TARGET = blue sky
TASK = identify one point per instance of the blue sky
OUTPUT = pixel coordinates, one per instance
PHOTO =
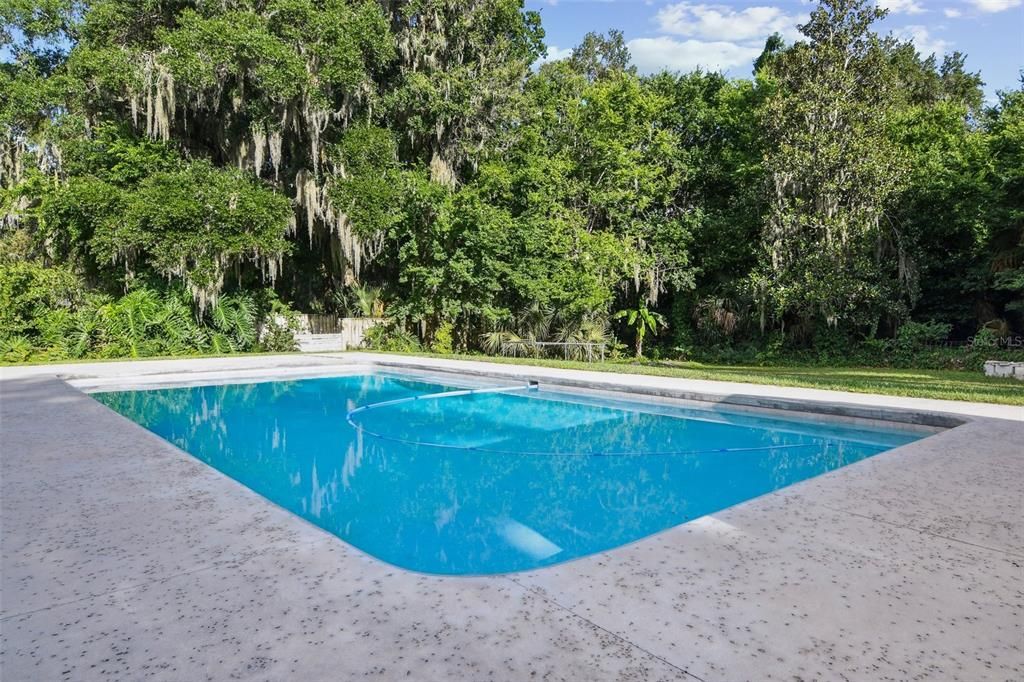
(728, 35)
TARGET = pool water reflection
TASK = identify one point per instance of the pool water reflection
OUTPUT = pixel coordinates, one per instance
(544, 477)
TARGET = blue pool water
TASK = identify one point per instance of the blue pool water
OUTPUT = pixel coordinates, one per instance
(487, 482)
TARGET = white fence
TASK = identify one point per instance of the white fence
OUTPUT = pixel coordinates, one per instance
(319, 333)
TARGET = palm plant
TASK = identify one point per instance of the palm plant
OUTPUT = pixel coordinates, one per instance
(126, 321)
(84, 328)
(234, 324)
(368, 299)
(584, 332)
(503, 342)
(535, 320)
(717, 317)
(492, 341)
(642, 319)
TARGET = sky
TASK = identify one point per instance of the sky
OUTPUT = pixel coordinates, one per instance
(727, 35)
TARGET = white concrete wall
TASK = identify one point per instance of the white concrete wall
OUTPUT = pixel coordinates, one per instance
(999, 368)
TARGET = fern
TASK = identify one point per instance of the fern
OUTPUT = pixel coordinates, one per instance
(16, 349)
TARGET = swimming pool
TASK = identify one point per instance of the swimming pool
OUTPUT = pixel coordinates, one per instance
(488, 482)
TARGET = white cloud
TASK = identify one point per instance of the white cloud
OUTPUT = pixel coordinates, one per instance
(902, 6)
(723, 23)
(925, 43)
(952, 12)
(654, 54)
(995, 5)
(555, 53)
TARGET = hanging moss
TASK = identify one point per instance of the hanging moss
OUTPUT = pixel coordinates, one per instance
(194, 225)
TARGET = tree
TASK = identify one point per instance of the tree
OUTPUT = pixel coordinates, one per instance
(833, 173)
(1005, 247)
(206, 150)
(772, 47)
(940, 217)
(459, 70)
(642, 320)
(599, 55)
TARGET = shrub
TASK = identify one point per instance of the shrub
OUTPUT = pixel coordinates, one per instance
(278, 326)
(443, 341)
(914, 336)
(44, 317)
(772, 350)
(28, 292)
(918, 346)
(390, 336)
(15, 349)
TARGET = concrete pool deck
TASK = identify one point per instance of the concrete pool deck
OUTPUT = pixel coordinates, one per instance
(125, 558)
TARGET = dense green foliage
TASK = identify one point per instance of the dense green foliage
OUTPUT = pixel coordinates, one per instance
(170, 171)
(47, 314)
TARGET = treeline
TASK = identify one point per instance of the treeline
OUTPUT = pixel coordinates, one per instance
(852, 200)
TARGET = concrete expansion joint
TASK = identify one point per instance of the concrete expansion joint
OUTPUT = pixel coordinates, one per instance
(625, 640)
(236, 560)
(922, 531)
(106, 593)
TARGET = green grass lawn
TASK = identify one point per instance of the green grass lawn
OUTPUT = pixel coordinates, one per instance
(918, 383)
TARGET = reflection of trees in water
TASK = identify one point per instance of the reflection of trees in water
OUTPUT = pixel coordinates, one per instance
(519, 424)
(785, 466)
(441, 507)
(199, 407)
(353, 458)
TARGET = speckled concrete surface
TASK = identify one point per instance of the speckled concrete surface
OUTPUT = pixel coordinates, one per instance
(124, 558)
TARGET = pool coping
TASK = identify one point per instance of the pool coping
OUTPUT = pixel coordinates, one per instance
(891, 511)
(906, 420)
(745, 400)
(871, 407)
